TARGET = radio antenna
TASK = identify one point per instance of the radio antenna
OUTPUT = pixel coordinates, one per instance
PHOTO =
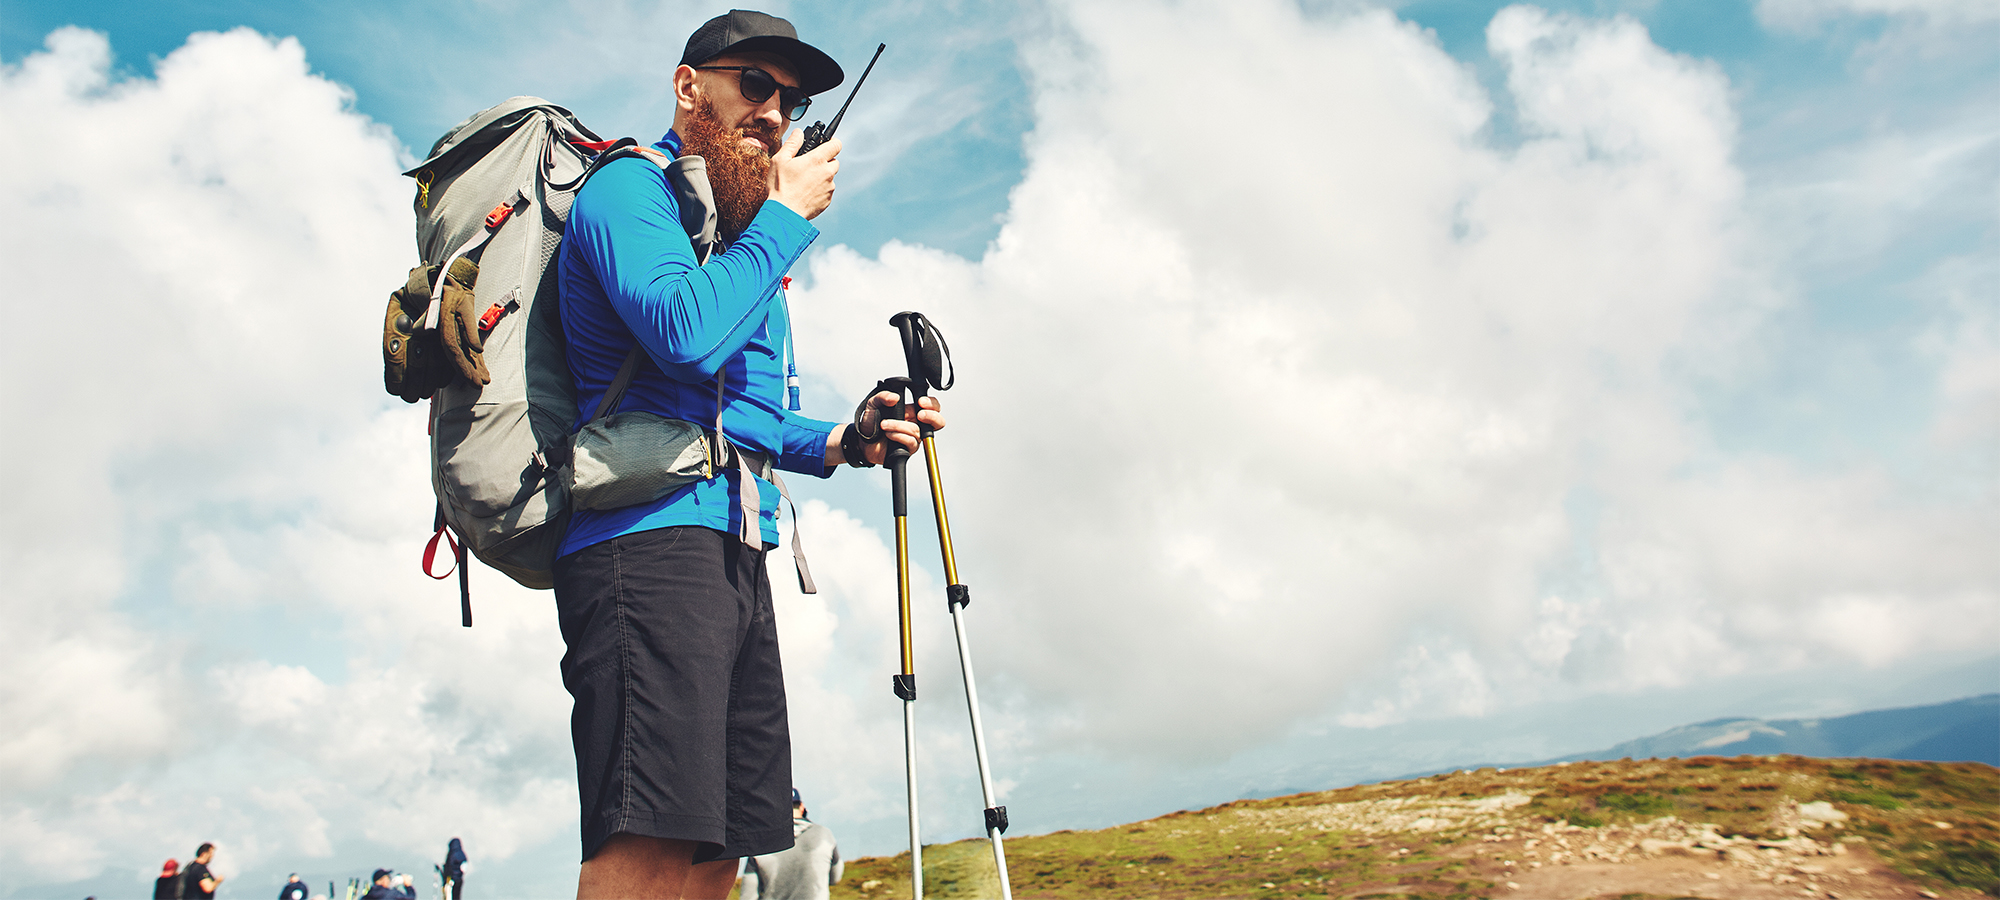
(819, 133)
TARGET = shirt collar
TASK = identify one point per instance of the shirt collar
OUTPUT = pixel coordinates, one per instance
(670, 144)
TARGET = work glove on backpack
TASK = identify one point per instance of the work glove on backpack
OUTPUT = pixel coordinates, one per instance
(416, 362)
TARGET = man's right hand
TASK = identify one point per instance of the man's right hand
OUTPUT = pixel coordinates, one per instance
(804, 184)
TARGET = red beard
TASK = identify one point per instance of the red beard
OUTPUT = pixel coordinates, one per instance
(739, 175)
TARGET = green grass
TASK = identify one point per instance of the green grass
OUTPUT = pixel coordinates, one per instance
(1648, 805)
(1876, 799)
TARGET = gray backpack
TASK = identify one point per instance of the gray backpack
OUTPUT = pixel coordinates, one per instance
(496, 189)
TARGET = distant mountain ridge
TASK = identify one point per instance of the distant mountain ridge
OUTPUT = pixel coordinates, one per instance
(1965, 730)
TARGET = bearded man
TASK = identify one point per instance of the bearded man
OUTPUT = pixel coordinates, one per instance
(683, 750)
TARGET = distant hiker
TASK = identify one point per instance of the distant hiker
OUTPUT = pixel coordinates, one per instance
(197, 882)
(167, 886)
(453, 869)
(682, 748)
(383, 889)
(805, 872)
(294, 889)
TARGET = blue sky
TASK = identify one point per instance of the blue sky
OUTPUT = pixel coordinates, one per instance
(953, 194)
(1348, 389)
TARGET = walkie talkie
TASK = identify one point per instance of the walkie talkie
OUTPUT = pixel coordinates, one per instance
(821, 131)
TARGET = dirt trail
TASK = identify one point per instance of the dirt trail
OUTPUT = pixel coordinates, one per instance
(1582, 863)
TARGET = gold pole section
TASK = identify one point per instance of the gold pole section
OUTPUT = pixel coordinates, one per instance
(937, 507)
(903, 590)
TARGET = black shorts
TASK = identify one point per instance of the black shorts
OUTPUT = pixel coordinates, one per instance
(679, 725)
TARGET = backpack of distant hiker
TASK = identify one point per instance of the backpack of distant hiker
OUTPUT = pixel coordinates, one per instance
(476, 328)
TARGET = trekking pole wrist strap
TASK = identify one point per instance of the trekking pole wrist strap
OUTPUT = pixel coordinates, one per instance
(854, 449)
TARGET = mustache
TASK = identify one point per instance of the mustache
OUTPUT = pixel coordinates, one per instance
(769, 135)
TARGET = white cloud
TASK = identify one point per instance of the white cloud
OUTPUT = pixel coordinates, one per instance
(1854, 202)
(1258, 407)
(1969, 350)
(1805, 13)
(191, 326)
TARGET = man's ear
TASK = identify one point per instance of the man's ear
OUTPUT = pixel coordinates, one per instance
(687, 95)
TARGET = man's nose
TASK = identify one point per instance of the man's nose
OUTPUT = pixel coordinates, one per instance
(768, 112)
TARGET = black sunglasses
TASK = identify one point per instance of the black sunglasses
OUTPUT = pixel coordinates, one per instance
(758, 84)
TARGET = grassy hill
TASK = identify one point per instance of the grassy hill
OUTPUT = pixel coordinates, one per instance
(1744, 826)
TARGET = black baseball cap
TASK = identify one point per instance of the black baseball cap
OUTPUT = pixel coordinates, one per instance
(378, 874)
(741, 30)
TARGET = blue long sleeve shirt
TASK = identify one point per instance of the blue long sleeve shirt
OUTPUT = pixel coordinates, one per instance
(627, 273)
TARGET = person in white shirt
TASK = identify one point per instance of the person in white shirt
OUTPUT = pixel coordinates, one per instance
(805, 872)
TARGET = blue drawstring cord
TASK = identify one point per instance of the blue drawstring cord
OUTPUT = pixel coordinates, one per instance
(791, 354)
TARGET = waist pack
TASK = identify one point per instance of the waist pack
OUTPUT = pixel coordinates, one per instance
(636, 457)
(476, 330)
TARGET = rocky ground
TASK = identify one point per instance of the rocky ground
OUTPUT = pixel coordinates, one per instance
(1669, 857)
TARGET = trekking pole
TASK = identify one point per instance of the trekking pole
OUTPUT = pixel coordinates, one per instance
(927, 357)
(905, 683)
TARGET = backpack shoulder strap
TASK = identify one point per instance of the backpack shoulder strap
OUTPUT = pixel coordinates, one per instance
(687, 177)
(616, 391)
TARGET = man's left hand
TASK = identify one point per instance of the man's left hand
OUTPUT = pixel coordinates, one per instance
(906, 432)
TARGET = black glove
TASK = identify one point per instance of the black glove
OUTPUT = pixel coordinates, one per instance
(410, 355)
(868, 418)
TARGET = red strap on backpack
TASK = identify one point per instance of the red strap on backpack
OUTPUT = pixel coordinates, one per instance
(431, 549)
(458, 563)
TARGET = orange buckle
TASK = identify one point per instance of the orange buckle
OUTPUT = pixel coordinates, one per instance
(491, 317)
(499, 215)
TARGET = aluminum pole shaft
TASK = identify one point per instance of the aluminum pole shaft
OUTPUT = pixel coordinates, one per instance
(957, 593)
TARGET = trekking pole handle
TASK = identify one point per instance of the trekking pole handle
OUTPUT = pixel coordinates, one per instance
(909, 327)
(925, 356)
(897, 463)
(896, 456)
